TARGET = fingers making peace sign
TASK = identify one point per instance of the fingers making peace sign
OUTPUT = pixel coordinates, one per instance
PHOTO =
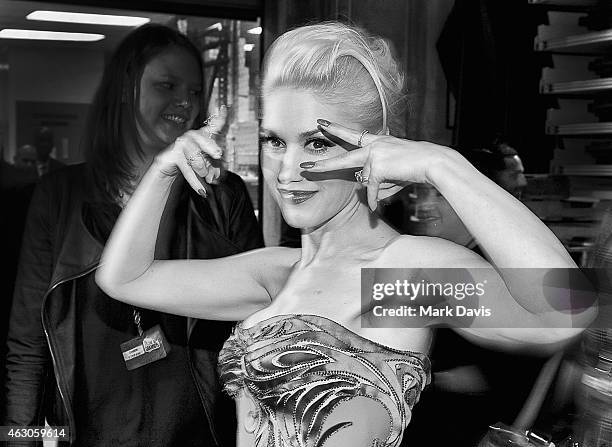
(386, 163)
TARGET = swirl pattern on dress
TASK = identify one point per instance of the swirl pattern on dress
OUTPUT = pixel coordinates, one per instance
(302, 370)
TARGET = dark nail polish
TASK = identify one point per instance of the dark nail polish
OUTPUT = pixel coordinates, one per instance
(202, 192)
(307, 164)
(323, 123)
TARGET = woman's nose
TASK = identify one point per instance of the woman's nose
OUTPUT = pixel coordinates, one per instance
(183, 99)
(184, 103)
(290, 170)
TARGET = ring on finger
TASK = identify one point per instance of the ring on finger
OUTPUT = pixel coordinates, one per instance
(191, 159)
(360, 177)
(363, 133)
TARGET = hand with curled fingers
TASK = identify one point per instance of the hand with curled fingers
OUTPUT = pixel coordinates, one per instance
(196, 155)
(385, 163)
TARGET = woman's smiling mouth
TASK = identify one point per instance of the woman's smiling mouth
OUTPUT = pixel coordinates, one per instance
(296, 196)
(175, 119)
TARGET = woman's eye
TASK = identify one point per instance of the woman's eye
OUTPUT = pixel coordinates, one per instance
(271, 143)
(166, 85)
(195, 92)
(318, 146)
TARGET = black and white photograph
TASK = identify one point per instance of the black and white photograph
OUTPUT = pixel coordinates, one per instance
(306, 223)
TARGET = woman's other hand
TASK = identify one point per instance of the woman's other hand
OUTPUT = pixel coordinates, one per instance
(387, 163)
(195, 154)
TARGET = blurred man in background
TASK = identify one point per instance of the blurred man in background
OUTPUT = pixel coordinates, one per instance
(26, 157)
(44, 142)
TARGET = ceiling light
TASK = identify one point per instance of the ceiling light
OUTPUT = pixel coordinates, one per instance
(92, 19)
(249, 46)
(256, 30)
(48, 35)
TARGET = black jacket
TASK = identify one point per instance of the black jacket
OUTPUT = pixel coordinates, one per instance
(58, 250)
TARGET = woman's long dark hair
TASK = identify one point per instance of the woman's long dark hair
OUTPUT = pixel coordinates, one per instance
(111, 169)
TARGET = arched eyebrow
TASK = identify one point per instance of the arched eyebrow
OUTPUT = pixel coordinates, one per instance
(310, 133)
(267, 133)
(302, 135)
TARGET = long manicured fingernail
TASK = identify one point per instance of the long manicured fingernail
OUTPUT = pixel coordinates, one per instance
(323, 123)
(202, 192)
(307, 164)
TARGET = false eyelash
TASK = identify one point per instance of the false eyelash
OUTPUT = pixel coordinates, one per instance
(265, 140)
(326, 144)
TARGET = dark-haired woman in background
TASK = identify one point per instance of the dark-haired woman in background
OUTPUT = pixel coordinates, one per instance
(66, 362)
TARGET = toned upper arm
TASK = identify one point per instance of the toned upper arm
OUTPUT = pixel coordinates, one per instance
(230, 288)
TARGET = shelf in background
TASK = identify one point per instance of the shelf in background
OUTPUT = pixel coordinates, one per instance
(592, 129)
(587, 170)
(595, 43)
(564, 5)
(576, 87)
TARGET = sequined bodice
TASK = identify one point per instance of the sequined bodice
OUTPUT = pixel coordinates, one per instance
(315, 383)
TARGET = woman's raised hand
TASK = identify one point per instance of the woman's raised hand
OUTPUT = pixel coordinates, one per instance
(388, 163)
(196, 154)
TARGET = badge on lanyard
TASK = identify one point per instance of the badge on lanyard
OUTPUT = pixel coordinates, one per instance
(149, 346)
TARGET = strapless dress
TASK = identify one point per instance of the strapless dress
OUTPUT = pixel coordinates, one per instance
(316, 383)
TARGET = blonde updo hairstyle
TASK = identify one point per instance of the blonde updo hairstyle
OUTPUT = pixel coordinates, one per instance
(343, 65)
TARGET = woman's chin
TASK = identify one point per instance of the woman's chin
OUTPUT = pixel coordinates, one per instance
(296, 222)
(170, 137)
(299, 220)
(169, 133)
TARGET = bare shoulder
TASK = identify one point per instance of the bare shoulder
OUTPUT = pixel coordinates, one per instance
(422, 251)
